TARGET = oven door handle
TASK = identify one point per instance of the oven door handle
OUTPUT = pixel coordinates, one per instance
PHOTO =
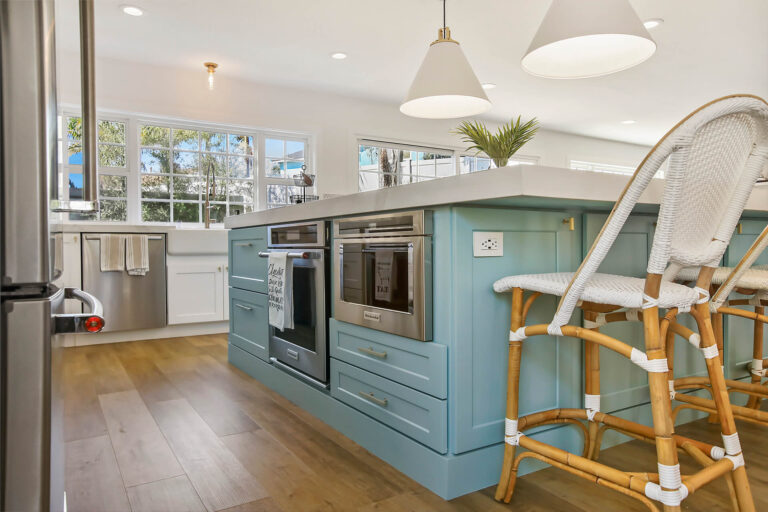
(297, 255)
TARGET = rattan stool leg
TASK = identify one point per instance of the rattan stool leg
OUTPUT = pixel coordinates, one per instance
(718, 329)
(757, 353)
(723, 405)
(508, 475)
(661, 406)
(592, 388)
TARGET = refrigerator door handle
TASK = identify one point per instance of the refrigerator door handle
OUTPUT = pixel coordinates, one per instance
(90, 201)
(80, 322)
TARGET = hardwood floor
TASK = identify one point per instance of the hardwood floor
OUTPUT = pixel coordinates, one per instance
(169, 426)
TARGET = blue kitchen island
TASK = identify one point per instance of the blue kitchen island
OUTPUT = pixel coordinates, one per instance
(440, 411)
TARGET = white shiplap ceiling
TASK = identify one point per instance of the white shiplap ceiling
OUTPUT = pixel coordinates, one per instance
(706, 49)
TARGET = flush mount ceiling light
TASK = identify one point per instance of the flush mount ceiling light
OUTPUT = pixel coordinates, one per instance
(580, 39)
(132, 10)
(488, 85)
(339, 55)
(211, 66)
(445, 86)
(652, 23)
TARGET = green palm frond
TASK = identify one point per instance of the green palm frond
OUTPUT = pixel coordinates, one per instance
(502, 145)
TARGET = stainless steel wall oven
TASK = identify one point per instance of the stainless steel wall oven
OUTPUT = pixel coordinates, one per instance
(383, 268)
(303, 350)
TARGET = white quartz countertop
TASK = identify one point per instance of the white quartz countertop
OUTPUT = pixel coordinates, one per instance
(113, 227)
(520, 185)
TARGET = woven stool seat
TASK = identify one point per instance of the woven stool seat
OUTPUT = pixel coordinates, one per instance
(755, 278)
(602, 289)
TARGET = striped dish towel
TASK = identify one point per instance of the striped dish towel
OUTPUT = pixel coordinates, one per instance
(137, 255)
(112, 257)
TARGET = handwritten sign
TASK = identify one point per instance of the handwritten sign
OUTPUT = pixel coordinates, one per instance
(383, 276)
(276, 285)
(280, 291)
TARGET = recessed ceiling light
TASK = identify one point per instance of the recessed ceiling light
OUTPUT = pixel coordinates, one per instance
(629, 121)
(489, 85)
(339, 55)
(132, 10)
(652, 23)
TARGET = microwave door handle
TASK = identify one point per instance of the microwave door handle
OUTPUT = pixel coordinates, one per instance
(389, 228)
(90, 201)
(295, 255)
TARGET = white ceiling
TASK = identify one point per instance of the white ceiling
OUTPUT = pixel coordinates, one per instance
(706, 49)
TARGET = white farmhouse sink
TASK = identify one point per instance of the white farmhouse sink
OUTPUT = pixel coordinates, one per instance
(197, 241)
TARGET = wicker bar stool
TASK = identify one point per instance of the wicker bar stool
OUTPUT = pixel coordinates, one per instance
(752, 283)
(716, 155)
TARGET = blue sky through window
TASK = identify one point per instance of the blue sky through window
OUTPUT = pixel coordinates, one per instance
(75, 159)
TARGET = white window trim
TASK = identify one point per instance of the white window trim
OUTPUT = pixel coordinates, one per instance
(64, 113)
(262, 167)
(622, 169)
(133, 148)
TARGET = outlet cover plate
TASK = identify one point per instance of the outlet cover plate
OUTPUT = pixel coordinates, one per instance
(487, 243)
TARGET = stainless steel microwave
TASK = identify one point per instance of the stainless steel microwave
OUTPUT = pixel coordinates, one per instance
(383, 264)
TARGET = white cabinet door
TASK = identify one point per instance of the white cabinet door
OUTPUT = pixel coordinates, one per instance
(195, 292)
(225, 286)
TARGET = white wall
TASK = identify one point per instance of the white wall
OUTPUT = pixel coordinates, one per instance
(334, 121)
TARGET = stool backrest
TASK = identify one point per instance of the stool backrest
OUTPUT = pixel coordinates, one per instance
(716, 155)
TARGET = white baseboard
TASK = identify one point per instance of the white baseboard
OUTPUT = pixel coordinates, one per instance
(171, 331)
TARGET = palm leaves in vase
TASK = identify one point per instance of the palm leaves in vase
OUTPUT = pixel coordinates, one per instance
(500, 146)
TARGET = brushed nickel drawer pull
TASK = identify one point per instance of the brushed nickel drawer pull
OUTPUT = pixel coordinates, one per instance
(369, 396)
(243, 307)
(371, 352)
(244, 244)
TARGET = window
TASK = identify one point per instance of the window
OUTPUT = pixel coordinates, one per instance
(579, 165)
(474, 163)
(157, 170)
(283, 161)
(178, 166)
(112, 169)
(382, 165)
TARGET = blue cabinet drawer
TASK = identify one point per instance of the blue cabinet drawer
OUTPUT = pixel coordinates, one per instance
(249, 322)
(246, 269)
(420, 365)
(417, 415)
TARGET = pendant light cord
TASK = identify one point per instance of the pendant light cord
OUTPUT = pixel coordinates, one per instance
(444, 14)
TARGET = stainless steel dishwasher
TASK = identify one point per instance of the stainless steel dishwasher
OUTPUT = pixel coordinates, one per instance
(130, 302)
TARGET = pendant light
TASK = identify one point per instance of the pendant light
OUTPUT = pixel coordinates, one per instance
(588, 38)
(445, 86)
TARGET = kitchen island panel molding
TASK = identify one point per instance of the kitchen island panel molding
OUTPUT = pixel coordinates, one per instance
(534, 242)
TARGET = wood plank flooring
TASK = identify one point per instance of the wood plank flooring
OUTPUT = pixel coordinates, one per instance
(168, 426)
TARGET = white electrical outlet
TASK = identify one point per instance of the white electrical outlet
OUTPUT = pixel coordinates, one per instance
(488, 243)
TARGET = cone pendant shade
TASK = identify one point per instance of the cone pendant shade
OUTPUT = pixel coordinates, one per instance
(445, 86)
(588, 38)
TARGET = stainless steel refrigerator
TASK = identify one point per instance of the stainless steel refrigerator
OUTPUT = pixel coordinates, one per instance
(31, 434)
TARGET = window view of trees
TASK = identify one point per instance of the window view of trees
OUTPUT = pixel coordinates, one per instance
(113, 192)
(382, 166)
(165, 172)
(179, 167)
